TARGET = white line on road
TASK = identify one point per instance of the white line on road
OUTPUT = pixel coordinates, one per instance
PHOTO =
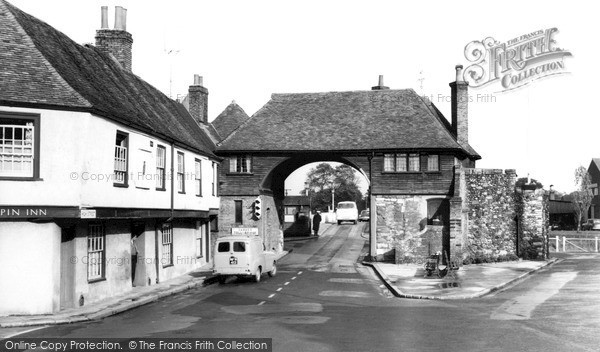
(262, 302)
(521, 307)
(294, 278)
(299, 273)
(271, 295)
(279, 289)
(287, 283)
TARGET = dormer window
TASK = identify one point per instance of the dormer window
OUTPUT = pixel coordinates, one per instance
(121, 159)
(240, 164)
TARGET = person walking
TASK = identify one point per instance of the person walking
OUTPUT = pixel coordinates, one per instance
(316, 223)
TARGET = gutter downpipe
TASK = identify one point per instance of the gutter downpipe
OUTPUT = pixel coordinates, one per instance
(372, 214)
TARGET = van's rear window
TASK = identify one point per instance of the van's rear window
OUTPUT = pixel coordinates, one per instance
(239, 246)
(223, 247)
(345, 205)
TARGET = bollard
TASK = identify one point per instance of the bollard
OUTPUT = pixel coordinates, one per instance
(596, 244)
(557, 245)
(564, 243)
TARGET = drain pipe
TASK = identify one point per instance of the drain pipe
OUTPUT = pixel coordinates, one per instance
(372, 214)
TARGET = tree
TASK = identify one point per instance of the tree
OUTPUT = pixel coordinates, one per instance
(582, 197)
(343, 179)
(523, 181)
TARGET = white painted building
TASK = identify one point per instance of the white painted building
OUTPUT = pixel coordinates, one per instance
(87, 150)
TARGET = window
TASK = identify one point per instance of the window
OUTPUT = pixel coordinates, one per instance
(433, 163)
(19, 146)
(215, 178)
(161, 161)
(95, 252)
(167, 245)
(121, 159)
(238, 211)
(223, 247)
(198, 177)
(239, 246)
(201, 232)
(396, 162)
(438, 211)
(414, 162)
(180, 173)
(240, 164)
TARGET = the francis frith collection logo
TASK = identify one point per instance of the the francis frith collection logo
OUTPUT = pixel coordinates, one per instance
(516, 62)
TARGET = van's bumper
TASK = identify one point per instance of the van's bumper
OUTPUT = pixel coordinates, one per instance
(232, 271)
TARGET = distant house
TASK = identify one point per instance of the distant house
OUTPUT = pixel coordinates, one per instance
(96, 165)
(594, 171)
(562, 214)
(296, 215)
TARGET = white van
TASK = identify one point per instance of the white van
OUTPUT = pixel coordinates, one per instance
(346, 211)
(242, 256)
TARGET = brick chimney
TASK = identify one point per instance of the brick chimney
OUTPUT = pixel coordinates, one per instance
(116, 42)
(459, 104)
(380, 86)
(198, 100)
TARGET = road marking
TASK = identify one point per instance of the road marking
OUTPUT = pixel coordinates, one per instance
(262, 302)
(271, 295)
(346, 280)
(274, 308)
(299, 273)
(287, 283)
(279, 289)
(294, 278)
(22, 332)
(299, 319)
(521, 307)
(355, 294)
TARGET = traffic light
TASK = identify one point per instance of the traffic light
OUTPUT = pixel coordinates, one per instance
(257, 208)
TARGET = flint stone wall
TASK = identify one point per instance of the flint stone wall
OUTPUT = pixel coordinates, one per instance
(490, 210)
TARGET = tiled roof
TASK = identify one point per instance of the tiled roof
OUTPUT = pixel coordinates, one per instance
(296, 200)
(230, 119)
(346, 121)
(42, 67)
(597, 162)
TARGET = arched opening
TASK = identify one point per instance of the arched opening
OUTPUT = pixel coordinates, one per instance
(294, 207)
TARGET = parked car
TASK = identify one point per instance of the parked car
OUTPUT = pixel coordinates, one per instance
(346, 211)
(243, 256)
(591, 224)
(365, 215)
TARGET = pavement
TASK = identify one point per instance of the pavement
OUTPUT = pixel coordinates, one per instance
(138, 296)
(469, 281)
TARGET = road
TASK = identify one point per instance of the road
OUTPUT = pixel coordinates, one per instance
(322, 300)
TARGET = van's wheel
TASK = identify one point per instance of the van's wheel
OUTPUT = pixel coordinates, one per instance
(273, 271)
(257, 275)
(222, 279)
(339, 222)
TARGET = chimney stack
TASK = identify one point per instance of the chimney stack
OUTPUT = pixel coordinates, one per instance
(104, 19)
(380, 86)
(459, 105)
(198, 100)
(116, 42)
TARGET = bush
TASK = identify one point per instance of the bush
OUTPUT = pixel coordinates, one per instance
(483, 258)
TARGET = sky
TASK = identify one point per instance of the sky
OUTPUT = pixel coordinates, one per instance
(247, 50)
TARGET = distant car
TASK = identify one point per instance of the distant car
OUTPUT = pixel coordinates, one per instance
(591, 224)
(346, 211)
(364, 216)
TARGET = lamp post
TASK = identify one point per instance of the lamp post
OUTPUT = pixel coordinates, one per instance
(332, 198)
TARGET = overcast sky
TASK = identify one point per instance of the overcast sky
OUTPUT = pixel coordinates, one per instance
(246, 50)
